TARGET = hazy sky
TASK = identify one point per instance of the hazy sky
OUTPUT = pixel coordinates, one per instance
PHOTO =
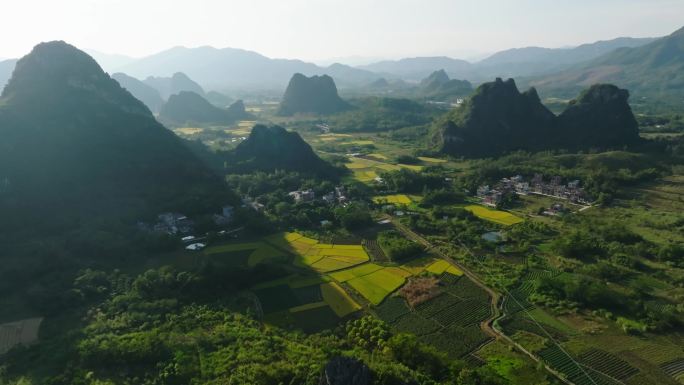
(321, 29)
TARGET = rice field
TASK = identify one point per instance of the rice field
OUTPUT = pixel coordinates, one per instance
(338, 299)
(417, 266)
(378, 284)
(393, 199)
(497, 216)
(320, 257)
(441, 266)
(359, 271)
(431, 160)
(365, 170)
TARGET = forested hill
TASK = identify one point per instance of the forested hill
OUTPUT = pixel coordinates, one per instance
(270, 148)
(499, 119)
(77, 145)
(189, 107)
(311, 95)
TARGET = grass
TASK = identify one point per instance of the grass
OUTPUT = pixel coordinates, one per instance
(545, 318)
(497, 216)
(338, 300)
(393, 199)
(377, 285)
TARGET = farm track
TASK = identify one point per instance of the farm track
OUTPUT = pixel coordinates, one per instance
(486, 325)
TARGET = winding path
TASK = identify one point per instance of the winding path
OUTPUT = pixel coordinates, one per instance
(487, 325)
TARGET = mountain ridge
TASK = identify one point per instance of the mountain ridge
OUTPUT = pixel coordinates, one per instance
(91, 148)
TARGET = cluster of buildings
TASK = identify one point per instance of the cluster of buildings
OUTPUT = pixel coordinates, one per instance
(339, 196)
(176, 224)
(554, 187)
(169, 223)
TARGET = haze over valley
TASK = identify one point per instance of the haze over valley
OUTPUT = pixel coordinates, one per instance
(473, 194)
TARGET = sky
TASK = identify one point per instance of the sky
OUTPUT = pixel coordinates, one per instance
(323, 30)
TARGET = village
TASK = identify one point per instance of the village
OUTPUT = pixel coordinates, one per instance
(537, 185)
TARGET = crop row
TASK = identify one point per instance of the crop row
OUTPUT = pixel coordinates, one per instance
(516, 301)
(374, 250)
(433, 306)
(466, 288)
(391, 309)
(674, 368)
(450, 279)
(464, 313)
(609, 364)
(537, 274)
(579, 375)
(415, 324)
(457, 341)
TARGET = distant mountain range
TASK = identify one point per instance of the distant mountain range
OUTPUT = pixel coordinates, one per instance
(231, 68)
(178, 82)
(512, 62)
(536, 60)
(564, 71)
(652, 70)
(143, 92)
(419, 68)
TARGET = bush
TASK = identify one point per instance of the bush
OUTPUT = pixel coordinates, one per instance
(396, 247)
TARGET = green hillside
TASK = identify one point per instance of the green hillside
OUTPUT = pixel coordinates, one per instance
(76, 144)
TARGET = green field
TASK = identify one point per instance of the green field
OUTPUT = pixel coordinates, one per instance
(338, 300)
(393, 199)
(497, 216)
(365, 170)
(377, 285)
